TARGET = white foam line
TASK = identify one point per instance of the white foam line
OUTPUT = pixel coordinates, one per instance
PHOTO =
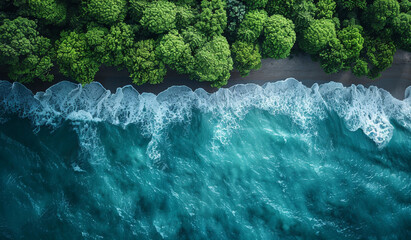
(370, 109)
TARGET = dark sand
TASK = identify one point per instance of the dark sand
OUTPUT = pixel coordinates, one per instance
(395, 79)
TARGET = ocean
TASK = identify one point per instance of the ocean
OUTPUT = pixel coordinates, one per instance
(278, 161)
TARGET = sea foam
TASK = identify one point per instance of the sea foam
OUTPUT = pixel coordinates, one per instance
(278, 161)
(369, 109)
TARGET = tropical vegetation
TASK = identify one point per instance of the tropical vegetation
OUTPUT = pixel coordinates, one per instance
(204, 39)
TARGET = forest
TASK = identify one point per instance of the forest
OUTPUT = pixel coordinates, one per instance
(205, 39)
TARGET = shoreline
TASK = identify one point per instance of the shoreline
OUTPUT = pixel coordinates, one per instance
(394, 79)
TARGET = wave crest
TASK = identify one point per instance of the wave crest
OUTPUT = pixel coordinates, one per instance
(370, 109)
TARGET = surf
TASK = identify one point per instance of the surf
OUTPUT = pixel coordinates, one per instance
(280, 160)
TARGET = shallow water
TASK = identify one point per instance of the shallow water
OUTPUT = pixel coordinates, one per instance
(249, 162)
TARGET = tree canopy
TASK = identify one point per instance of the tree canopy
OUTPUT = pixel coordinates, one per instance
(402, 29)
(252, 26)
(75, 59)
(318, 34)
(213, 17)
(325, 9)
(50, 11)
(246, 57)
(281, 7)
(352, 4)
(144, 65)
(255, 4)
(360, 68)
(380, 54)
(303, 14)
(332, 58)
(204, 39)
(279, 37)
(175, 52)
(194, 37)
(213, 62)
(105, 11)
(159, 16)
(24, 51)
(382, 12)
(235, 14)
(352, 41)
(118, 42)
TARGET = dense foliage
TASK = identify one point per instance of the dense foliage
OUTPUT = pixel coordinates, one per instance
(204, 39)
(159, 16)
(175, 52)
(75, 57)
(143, 63)
(213, 62)
(279, 37)
(246, 57)
(105, 11)
(252, 26)
(317, 35)
(24, 50)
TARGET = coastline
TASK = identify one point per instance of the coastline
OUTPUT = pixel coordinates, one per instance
(394, 79)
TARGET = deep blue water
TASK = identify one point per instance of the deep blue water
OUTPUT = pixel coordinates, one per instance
(281, 161)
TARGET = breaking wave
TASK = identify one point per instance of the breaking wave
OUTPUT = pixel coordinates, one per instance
(278, 161)
(369, 109)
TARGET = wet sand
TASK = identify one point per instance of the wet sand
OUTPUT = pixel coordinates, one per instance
(395, 79)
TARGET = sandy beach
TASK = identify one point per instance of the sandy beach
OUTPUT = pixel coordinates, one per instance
(395, 79)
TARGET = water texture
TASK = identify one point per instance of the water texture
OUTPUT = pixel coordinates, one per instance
(281, 161)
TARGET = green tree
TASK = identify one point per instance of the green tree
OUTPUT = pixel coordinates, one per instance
(188, 3)
(190, 36)
(402, 28)
(50, 11)
(143, 64)
(281, 7)
(213, 17)
(352, 40)
(381, 13)
(317, 36)
(246, 57)
(255, 4)
(75, 58)
(352, 4)
(159, 16)
(380, 54)
(185, 17)
(325, 9)
(136, 9)
(333, 57)
(303, 14)
(195, 38)
(351, 19)
(235, 14)
(336, 22)
(118, 42)
(24, 50)
(105, 11)
(96, 37)
(213, 62)
(405, 6)
(279, 37)
(360, 68)
(252, 26)
(343, 51)
(174, 52)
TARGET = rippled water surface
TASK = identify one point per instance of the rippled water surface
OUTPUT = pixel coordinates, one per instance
(278, 161)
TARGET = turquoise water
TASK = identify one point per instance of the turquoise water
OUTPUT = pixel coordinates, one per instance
(281, 161)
